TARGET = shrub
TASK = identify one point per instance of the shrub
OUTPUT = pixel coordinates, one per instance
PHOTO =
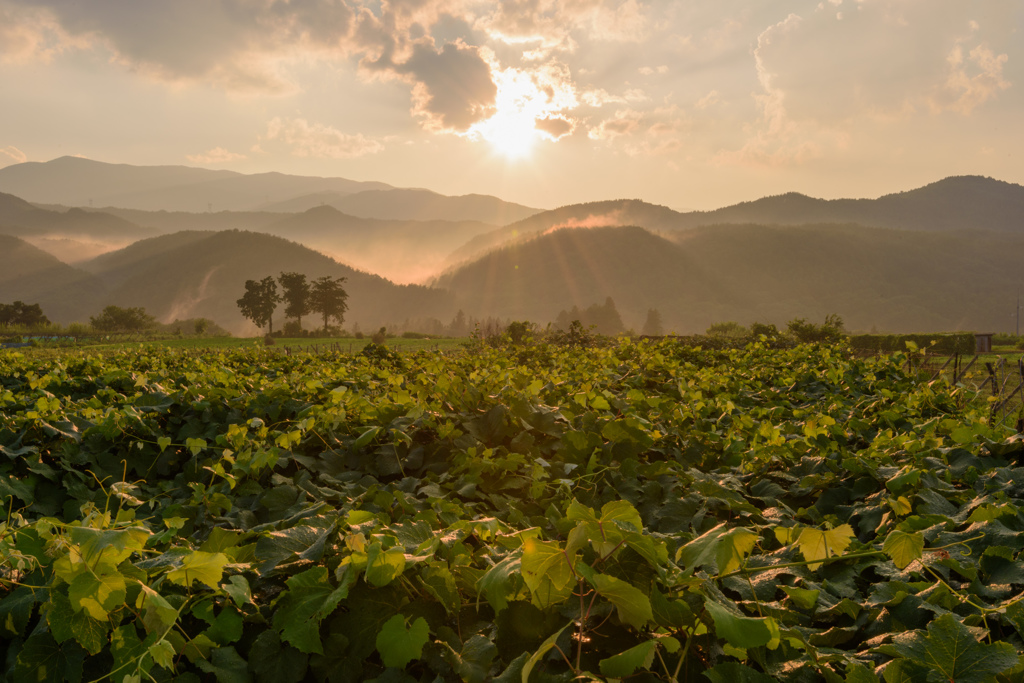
(292, 328)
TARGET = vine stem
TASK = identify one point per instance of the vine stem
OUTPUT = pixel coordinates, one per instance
(805, 563)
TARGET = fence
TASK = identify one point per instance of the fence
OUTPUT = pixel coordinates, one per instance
(1000, 380)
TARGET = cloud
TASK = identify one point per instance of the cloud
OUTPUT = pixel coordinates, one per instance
(217, 155)
(972, 81)
(318, 140)
(643, 132)
(230, 44)
(452, 88)
(11, 154)
(552, 23)
(824, 75)
(555, 126)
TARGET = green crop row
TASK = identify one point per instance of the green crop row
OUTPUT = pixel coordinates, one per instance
(646, 510)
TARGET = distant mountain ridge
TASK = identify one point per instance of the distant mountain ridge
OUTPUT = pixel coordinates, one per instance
(954, 203)
(889, 280)
(73, 181)
(199, 274)
(412, 204)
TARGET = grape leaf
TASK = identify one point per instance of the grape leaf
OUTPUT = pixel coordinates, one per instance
(626, 663)
(207, 568)
(903, 548)
(950, 649)
(399, 645)
(740, 631)
(815, 544)
(309, 599)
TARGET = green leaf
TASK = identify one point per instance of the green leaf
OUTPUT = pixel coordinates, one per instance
(498, 584)
(815, 544)
(207, 568)
(740, 631)
(274, 662)
(158, 614)
(399, 645)
(903, 548)
(701, 550)
(633, 606)
(15, 612)
(384, 566)
(226, 665)
(858, 673)
(950, 649)
(474, 663)
(627, 663)
(802, 597)
(238, 588)
(163, 442)
(97, 593)
(544, 648)
(66, 623)
(309, 599)
(42, 660)
(733, 548)
(546, 571)
(441, 584)
(162, 653)
(734, 672)
(670, 614)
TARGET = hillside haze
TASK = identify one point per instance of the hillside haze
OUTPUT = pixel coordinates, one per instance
(874, 278)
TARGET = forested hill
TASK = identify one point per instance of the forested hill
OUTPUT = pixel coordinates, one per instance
(877, 278)
(201, 274)
(31, 275)
(956, 203)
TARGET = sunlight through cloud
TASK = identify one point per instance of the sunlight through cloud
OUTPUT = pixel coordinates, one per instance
(529, 107)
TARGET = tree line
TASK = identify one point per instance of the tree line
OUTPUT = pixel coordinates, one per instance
(21, 314)
(324, 296)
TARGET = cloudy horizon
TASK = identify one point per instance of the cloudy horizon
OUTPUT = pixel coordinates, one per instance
(542, 102)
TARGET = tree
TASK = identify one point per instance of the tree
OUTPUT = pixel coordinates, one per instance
(117, 319)
(830, 331)
(328, 298)
(653, 326)
(20, 313)
(296, 295)
(259, 302)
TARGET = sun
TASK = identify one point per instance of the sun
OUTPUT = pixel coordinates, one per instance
(519, 103)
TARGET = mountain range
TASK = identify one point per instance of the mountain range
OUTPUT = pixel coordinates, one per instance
(940, 257)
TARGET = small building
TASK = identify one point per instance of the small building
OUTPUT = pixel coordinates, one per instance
(983, 342)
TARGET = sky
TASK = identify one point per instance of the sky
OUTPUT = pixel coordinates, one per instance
(691, 104)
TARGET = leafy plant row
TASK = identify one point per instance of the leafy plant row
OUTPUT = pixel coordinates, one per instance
(648, 511)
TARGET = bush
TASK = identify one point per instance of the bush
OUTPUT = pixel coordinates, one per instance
(268, 340)
(359, 334)
(829, 331)
(292, 328)
(727, 329)
(414, 335)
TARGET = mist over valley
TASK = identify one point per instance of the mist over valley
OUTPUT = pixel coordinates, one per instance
(942, 257)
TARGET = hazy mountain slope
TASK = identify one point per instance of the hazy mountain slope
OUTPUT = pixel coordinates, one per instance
(874, 278)
(74, 181)
(618, 212)
(72, 235)
(412, 204)
(956, 203)
(31, 275)
(203, 274)
(402, 251)
(17, 216)
(535, 279)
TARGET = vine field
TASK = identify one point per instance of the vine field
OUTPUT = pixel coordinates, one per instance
(643, 511)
